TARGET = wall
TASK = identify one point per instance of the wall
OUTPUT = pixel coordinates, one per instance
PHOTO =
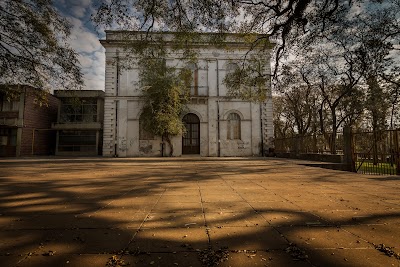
(123, 107)
(94, 127)
(37, 126)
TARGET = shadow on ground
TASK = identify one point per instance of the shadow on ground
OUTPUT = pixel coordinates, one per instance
(194, 212)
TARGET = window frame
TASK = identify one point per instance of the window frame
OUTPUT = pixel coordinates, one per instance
(9, 105)
(234, 126)
(72, 113)
(194, 81)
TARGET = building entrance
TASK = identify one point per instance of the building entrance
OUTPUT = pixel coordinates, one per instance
(191, 139)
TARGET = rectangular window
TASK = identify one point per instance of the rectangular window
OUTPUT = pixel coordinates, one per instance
(80, 141)
(13, 137)
(9, 105)
(8, 137)
(81, 111)
(3, 140)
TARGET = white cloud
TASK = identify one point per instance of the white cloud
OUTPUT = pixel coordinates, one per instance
(85, 41)
(78, 11)
(91, 54)
(94, 82)
(82, 40)
(86, 62)
(93, 66)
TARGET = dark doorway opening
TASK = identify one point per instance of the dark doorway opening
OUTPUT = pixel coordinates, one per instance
(191, 139)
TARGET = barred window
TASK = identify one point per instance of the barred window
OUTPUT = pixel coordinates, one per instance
(233, 126)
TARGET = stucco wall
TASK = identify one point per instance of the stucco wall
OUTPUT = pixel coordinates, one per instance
(123, 107)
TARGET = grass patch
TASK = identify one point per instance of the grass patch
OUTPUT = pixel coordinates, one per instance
(379, 168)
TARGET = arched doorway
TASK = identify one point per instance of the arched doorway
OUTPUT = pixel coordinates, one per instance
(191, 139)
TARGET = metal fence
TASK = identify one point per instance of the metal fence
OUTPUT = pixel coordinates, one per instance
(377, 152)
(371, 152)
(316, 144)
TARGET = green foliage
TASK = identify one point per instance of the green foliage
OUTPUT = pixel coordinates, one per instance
(191, 25)
(13, 92)
(10, 93)
(33, 47)
(165, 93)
(337, 45)
(250, 80)
(377, 104)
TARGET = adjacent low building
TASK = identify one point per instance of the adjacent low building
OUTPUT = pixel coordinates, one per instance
(79, 123)
(25, 125)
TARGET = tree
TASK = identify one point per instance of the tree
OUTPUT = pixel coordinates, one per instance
(346, 39)
(249, 79)
(283, 125)
(299, 97)
(394, 97)
(34, 49)
(289, 21)
(165, 93)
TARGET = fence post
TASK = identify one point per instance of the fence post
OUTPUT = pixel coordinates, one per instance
(348, 150)
(396, 150)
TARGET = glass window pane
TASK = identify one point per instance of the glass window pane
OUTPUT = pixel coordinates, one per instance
(6, 106)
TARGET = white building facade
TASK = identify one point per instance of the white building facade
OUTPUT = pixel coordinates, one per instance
(217, 125)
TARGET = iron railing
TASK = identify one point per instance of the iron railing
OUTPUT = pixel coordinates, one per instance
(377, 152)
(372, 152)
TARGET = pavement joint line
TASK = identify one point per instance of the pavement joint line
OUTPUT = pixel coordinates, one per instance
(101, 208)
(363, 239)
(273, 227)
(141, 224)
(344, 220)
(204, 216)
(311, 212)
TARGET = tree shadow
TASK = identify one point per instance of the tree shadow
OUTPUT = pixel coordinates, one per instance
(387, 178)
(190, 212)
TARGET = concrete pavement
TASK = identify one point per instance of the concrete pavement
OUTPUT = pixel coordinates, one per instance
(194, 212)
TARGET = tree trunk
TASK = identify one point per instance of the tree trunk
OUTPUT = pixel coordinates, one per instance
(333, 141)
(375, 147)
(334, 131)
(171, 152)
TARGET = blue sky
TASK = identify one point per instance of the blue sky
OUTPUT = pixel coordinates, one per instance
(85, 41)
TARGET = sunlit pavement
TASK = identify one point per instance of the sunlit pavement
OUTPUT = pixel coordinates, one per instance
(194, 212)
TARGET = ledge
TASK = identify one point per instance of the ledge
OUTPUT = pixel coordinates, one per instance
(77, 126)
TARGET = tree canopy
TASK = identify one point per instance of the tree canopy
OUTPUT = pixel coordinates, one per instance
(33, 47)
(364, 33)
(288, 21)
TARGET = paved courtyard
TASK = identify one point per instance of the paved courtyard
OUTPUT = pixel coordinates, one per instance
(194, 212)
